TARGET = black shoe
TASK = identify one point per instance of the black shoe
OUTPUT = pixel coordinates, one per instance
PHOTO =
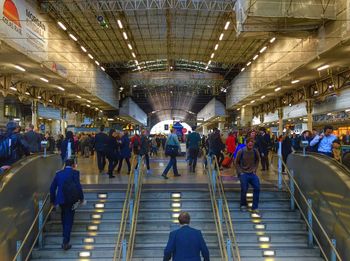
(177, 175)
(164, 176)
(111, 176)
(66, 247)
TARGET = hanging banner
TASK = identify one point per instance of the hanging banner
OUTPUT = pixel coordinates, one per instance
(22, 24)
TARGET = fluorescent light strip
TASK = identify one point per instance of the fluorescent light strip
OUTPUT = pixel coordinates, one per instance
(221, 36)
(212, 55)
(78, 96)
(44, 79)
(73, 37)
(273, 39)
(63, 27)
(277, 89)
(103, 69)
(323, 67)
(83, 48)
(125, 36)
(216, 47)
(20, 68)
(249, 63)
(295, 81)
(90, 56)
(97, 62)
(255, 57)
(260, 227)
(102, 195)
(242, 69)
(227, 25)
(60, 88)
(176, 195)
(133, 54)
(263, 49)
(13, 88)
(264, 239)
(130, 47)
(120, 24)
(269, 253)
(263, 97)
(89, 240)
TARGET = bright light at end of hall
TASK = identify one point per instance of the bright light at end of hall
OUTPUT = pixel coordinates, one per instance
(90, 56)
(83, 48)
(63, 27)
(277, 89)
(73, 37)
(227, 25)
(44, 79)
(221, 36)
(255, 57)
(20, 68)
(273, 39)
(120, 24)
(263, 49)
(295, 81)
(323, 67)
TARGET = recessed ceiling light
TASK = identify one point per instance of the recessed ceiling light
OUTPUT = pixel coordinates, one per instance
(27, 93)
(63, 27)
(97, 62)
(263, 49)
(277, 89)
(83, 48)
(212, 55)
(273, 39)
(315, 92)
(50, 100)
(227, 25)
(44, 79)
(103, 69)
(125, 36)
(295, 81)
(249, 63)
(39, 97)
(130, 47)
(88, 105)
(242, 69)
(255, 57)
(90, 56)
(323, 67)
(221, 36)
(216, 47)
(20, 68)
(73, 37)
(120, 24)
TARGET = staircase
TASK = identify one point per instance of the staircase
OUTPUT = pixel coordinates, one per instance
(159, 207)
(278, 228)
(94, 231)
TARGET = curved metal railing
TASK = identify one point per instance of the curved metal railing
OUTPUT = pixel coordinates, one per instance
(309, 208)
(31, 229)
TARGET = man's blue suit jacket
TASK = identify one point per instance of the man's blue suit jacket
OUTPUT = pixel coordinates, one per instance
(186, 244)
(57, 185)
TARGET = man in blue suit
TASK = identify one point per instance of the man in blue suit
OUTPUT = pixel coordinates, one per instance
(186, 243)
(67, 211)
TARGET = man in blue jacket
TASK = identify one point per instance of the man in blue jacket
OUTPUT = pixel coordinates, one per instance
(57, 198)
(186, 243)
(101, 141)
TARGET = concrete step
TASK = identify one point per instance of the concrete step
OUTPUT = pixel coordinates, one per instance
(86, 214)
(267, 214)
(149, 194)
(81, 227)
(94, 195)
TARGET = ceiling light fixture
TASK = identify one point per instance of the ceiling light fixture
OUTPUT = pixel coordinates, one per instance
(120, 24)
(130, 47)
(295, 81)
(27, 93)
(13, 88)
(249, 63)
(125, 36)
(97, 62)
(323, 67)
(50, 100)
(263, 49)
(44, 79)
(63, 27)
(73, 37)
(83, 48)
(227, 25)
(242, 69)
(79, 97)
(277, 89)
(273, 39)
(133, 54)
(137, 62)
(347, 110)
(216, 47)
(212, 55)
(139, 67)
(255, 57)
(91, 57)
(60, 88)
(252, 101)
(20, 68)
(39, 97)
(88, 101)
(263, 97)
(315, 92)
(88, 105)
(221, 36)
(103, 69)
(209, 62)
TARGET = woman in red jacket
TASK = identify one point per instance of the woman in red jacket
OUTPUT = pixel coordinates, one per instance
(231, 143)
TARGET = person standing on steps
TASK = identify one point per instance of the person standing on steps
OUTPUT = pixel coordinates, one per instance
(65, 191)
(112, 152)
(100, 145)
(125, 151)
(247, 162)
(172, 148)
(263, 142)
(186, 243)
(193, 143)
(144, 149)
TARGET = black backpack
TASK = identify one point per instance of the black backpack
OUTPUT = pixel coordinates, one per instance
(71, 192)
(5, 147)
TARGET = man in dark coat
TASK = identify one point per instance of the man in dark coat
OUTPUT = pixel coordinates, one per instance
(101, 141)
(33, 139)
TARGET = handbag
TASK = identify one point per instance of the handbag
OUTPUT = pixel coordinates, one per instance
(171, 150)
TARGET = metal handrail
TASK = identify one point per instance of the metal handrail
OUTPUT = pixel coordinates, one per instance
(309, 207)
(227, 214)
(132, 234)
(125, 213)
(223, 250)
(31, 229)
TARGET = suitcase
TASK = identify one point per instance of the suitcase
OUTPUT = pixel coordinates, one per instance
(227, 162)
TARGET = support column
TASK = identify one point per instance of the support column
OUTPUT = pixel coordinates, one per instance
(280, 121)
(246, 116)
(205, 130)
(309, 110)
(63, 121)
(35, 113)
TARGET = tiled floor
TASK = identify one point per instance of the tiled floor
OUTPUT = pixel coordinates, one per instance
(90, 175)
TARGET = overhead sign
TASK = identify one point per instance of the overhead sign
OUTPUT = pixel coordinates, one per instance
(22, 24)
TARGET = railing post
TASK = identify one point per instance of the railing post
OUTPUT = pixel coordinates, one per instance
(220, 209)
(40, 222)
(213, 176)
(333, 255)
(228, 250)
(131, 211)
(124, 250)
(18, 245)
(280, 165)
(309, 217)
(292, 190)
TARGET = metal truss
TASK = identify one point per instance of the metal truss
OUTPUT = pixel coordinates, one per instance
(134, 5)
(316, 91)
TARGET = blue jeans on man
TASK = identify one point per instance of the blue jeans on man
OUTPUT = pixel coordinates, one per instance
(172, 163)
(253, 180)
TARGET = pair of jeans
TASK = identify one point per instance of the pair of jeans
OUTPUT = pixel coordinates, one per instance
(253, 180)
(67, 218)
(265, 161)
(193, 155)
(127, 159)
(172, 163)
(101, 160)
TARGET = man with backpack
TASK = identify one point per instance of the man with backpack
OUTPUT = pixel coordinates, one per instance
(247, 162)
(66, 191)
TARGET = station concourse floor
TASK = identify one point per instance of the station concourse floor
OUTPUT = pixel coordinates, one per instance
(89, 173)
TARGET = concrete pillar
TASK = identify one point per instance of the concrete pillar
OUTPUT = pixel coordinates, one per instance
(205, 130)
(35, 113)
(63, 121)
(280, 120)
(309, 109)
(246, 116)
(221, 126)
